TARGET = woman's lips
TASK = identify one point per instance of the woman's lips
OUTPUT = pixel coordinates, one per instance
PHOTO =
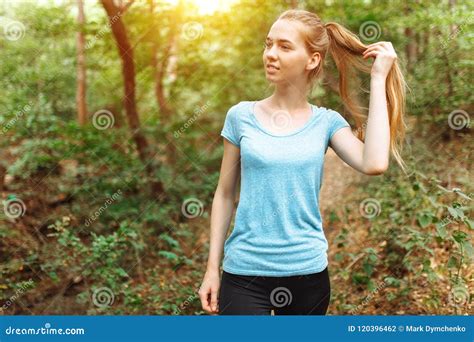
(271, 69)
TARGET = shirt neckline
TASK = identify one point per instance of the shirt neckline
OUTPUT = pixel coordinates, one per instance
(263, 129)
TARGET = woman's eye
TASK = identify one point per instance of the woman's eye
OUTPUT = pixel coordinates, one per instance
(267, 45)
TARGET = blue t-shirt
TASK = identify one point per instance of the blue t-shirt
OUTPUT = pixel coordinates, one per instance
(278, 227)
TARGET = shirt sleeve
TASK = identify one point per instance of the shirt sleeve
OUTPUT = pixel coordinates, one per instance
(230, 131)
(337, 121)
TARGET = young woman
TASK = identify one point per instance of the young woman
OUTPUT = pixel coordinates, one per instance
(276, 257)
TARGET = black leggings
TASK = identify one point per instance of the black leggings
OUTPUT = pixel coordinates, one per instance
(257, 295)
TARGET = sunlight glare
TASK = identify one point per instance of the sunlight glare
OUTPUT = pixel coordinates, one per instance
(206, 7)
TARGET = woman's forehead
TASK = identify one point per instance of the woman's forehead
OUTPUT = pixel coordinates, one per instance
(285, 30)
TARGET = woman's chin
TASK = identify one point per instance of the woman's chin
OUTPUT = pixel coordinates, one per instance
(271, 78)
(273, 81)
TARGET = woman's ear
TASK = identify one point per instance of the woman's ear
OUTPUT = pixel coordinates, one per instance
(313, 61)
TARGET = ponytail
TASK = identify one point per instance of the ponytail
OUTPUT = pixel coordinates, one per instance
(346, 50)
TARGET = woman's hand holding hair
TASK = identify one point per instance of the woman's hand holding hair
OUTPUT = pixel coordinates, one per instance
(384, 55)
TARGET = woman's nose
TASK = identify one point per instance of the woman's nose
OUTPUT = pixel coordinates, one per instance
(271, 52)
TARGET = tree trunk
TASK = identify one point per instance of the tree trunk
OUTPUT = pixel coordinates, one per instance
(453, 28)
(160, 68)
(81, 67)
(411, 47)
(128, 72)
(3, 173)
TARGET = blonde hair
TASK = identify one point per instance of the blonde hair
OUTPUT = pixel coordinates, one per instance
(346, 50)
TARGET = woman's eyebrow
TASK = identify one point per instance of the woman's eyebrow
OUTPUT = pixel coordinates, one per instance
(281, 40)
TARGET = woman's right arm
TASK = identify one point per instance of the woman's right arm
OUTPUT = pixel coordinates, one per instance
(221, 216)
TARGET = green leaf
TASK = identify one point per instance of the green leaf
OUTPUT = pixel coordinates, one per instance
(424, 220)
(172, 242)
(468, 248)
(169, 255)
(453, 262)
(373, 258)
(441, 230)
(456, 212)
(53, 275)
(368, 268)
(469, 223)
(121, 272)
(391, 281)
(359, 278)
(459, 236)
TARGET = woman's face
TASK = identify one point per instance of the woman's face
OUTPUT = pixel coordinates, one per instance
(285, 50)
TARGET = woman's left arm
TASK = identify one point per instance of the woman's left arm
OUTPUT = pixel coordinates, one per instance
(372, 156)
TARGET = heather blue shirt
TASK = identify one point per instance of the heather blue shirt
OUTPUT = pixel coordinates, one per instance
(278, 229)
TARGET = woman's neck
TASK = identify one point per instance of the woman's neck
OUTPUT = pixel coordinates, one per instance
(288, 97)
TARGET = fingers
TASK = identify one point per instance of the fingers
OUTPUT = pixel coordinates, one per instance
(209, 300)
(214, 300)
(373, 51)
(384, 46)
(204, 296)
